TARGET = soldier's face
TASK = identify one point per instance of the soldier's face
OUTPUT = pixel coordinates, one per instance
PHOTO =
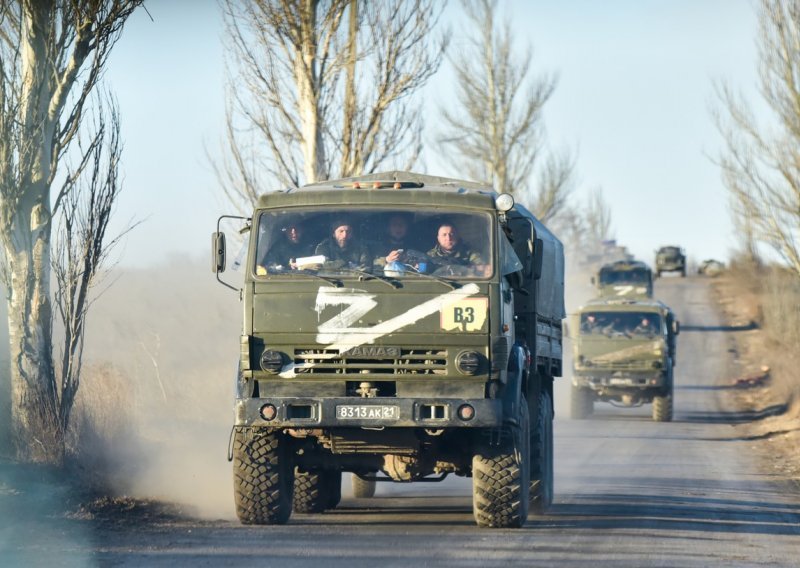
(397, 228)
(447, 237)
(343, 234)
(294, 234)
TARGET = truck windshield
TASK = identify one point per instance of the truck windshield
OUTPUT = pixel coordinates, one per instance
(629, 324)
(638, 276)
(395, 243)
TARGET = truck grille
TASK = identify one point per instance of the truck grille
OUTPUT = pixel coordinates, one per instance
(409, 362)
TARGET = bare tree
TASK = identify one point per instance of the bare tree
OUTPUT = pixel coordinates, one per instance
(495, 132)
(761, 164)
(81, 246)
(326, 87)
(51, 57)
(598, 217)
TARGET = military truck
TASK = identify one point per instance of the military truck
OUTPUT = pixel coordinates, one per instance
(624, 352)
(624, 278)
(670, 259)
(417, 360)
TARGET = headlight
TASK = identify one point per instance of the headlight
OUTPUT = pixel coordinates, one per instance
(468, 362)
(504, 202)
(272, 361)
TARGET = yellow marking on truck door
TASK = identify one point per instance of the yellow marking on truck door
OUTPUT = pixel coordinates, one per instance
(466, 314)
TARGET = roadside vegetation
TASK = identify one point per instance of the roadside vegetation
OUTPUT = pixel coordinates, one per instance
(761, 305)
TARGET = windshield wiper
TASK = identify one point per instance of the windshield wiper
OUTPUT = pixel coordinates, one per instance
(332, 281)
(371, 276)
(453, 285)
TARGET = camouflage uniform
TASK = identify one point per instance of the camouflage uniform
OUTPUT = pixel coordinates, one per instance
(380, 259)
(355, 253)
(460, 255)
(284, 251)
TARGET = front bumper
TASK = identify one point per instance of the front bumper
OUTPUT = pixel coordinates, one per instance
(310, 413)
(670, 266)
(603, 381)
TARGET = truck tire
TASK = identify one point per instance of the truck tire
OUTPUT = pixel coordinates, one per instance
(362, 489)
(316, 491)
(541, 491)
(581, 403)
(501, 478)
(263, 477)
(683, 272)
(662, 408)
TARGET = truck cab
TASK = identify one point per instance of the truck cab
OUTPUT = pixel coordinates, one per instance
(624, 279)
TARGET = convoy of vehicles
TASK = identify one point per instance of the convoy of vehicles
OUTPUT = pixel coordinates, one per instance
(395, 355)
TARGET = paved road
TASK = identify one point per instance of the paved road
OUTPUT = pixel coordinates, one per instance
(629, 492)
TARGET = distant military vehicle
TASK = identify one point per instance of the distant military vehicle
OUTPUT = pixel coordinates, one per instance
(670, 259)
(424, 343)
(624, 353)
(624, 278)
(711, 267)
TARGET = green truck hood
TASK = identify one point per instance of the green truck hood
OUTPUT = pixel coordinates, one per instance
(338, 317)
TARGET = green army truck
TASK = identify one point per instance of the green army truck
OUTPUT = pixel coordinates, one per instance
(423, 344)
(624, 352)
(624, 279)
(670, 259)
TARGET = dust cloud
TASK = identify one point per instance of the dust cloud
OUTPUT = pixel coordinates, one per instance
(578, 290)
(154, 411)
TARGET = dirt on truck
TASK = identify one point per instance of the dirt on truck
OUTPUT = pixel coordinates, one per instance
(397, 327)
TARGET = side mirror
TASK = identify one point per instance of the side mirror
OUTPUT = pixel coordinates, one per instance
(217, 252)
(592, 280)
(564, 329)
(537, 259)
(676, 327)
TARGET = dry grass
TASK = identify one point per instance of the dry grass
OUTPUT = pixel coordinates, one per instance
(769, 297)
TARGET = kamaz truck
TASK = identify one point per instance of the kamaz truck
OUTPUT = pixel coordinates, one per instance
(399, 327)
(624, 352)
(670, 259)
(624, 279)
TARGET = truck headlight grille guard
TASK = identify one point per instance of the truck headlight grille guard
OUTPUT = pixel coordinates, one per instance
(409, 361)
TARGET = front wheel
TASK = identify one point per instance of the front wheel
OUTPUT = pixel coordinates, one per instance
(263, 476)
(662, 408)
(501, 477)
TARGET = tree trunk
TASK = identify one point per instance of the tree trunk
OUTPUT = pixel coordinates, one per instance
(36, 431)
(26, 228)
(308, 92)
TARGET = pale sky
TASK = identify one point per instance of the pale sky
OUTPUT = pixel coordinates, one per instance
(633, 100)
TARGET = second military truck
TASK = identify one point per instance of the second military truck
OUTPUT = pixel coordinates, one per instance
(624, 352)
(399, 327)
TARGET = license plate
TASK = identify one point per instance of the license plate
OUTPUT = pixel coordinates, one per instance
(619, 382)
(367, 412)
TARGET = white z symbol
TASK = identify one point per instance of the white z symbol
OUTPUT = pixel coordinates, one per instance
(358, 302)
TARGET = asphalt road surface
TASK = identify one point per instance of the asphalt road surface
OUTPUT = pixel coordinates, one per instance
(629, 492)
